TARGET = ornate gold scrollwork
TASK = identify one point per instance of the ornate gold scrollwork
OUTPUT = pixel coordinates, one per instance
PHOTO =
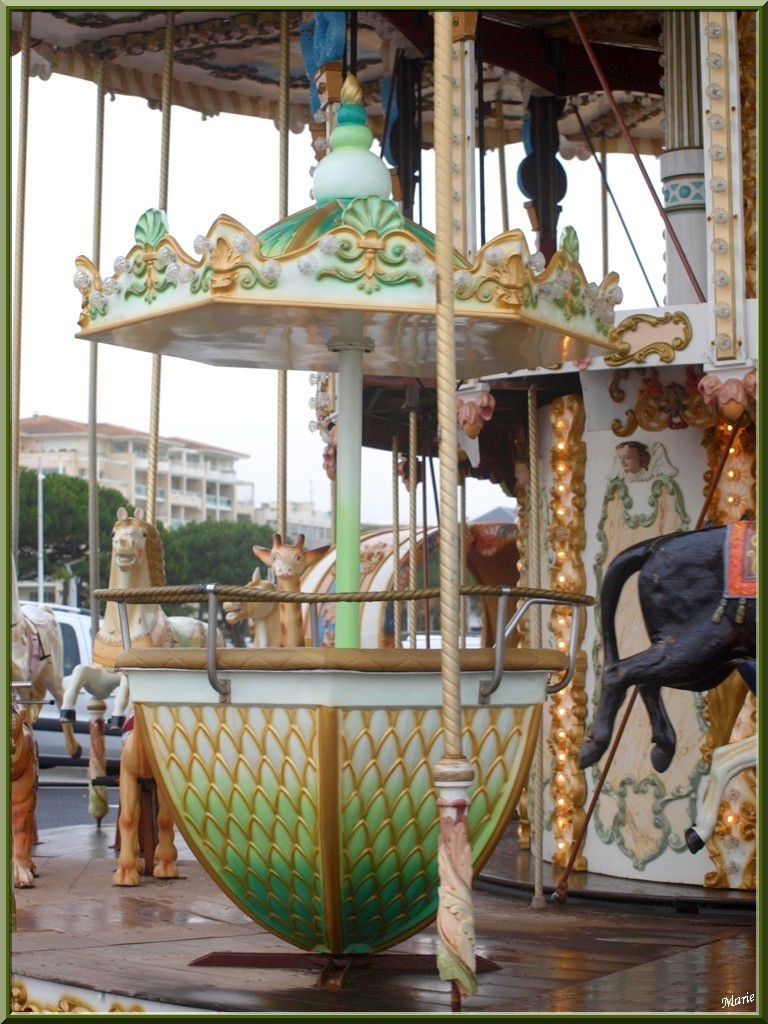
(21, 1003)
(660, 406)
(665, 350)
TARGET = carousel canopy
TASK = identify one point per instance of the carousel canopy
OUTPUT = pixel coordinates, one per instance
(228, 61)
(350, 271)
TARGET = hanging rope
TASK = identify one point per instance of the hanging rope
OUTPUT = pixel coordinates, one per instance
(18, 254)
(534, 578)
(153, 445)
(282, 375)
(93, 368)
(398, 621)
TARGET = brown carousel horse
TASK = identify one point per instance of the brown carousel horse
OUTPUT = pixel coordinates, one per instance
(23, 798)
(137, 563)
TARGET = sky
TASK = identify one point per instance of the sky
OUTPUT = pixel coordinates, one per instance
(230, 164)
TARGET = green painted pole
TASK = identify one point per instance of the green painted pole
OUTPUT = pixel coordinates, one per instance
(348, 483)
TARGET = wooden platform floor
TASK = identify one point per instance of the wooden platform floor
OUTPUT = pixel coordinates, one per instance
(579, 957)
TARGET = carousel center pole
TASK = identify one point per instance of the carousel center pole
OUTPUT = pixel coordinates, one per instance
(453, 774)
(348, 476)
(350, 171)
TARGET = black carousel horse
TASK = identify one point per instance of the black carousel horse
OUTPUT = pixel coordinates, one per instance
(697, 636)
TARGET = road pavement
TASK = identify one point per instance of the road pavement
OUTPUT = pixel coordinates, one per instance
(62, 799)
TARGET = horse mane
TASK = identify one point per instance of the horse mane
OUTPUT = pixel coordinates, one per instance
(154, 549)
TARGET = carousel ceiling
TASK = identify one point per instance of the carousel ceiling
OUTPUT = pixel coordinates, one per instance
(228, 61)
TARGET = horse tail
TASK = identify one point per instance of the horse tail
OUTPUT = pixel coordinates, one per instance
(624, 565)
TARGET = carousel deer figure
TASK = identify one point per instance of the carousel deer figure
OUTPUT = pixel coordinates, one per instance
(288, 562)
(137, 563)
(264, 616)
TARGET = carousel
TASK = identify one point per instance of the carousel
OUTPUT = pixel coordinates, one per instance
(340, 786)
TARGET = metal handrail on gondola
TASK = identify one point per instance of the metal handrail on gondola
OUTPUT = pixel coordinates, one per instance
(212, 593)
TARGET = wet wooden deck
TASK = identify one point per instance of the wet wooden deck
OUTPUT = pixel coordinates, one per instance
(583, 956)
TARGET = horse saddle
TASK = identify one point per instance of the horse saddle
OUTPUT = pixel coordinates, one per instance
(741, 560)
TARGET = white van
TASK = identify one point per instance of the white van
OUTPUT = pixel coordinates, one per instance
(75, 625)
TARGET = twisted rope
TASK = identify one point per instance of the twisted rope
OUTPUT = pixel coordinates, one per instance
(21, 186)
(93, 365)
(153, 444)
(282, 375)
(446, 388)
(196, 593)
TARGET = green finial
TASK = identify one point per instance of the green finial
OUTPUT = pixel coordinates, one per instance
(350, 171)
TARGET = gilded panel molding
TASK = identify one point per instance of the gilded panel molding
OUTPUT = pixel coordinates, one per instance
(662, 336)
(567, 540)
(638, 809)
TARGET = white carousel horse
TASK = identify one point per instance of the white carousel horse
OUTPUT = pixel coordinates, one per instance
(137, 563)
(264, 616)
(23, 798)
(289, 562)
(727, 762)
(37, 660)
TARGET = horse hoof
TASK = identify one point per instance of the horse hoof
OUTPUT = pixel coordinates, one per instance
(694, 840)
(165, 871)
(125, 876)
(116, 723)
(77, 753)
(590, 753)
(661, 759)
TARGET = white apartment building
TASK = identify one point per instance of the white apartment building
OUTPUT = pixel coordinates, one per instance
(300, 517)
(194, 481)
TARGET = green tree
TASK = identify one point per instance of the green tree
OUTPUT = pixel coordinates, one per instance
(219, 552)
(65, 525)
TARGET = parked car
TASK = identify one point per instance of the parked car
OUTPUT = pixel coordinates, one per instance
(75, 625)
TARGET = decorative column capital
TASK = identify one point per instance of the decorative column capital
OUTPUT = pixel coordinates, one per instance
(733, 395)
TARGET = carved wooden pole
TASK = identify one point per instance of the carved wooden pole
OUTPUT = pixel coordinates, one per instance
(453, 773)
(153, 444)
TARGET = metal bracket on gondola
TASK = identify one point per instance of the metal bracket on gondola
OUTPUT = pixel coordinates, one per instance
(221, 686)
(505, 629)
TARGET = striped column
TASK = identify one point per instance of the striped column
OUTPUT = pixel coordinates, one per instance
(682, 163)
